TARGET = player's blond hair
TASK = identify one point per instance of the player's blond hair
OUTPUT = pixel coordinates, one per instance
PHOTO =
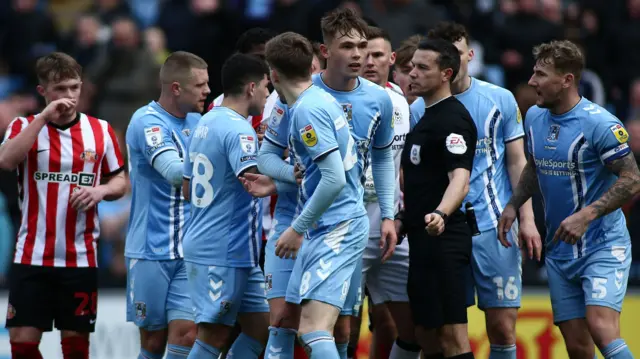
(56, 67)
(340, 22)
(177, 67)
(407, 48)
(565, 56)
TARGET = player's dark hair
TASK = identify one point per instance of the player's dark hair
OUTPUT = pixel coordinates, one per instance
(377, 33)
(239, 70)
(56, 67)
(448, 57)
(253, 37)
(341, 22)
(449, 31)
(565, 56)
(178, 65)
(407, 48)
(290, 54)
(318, 53)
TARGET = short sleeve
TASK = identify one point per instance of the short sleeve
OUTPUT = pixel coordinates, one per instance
(512, 126)
(15, 127)
(610, 140)
(241, 145)
(314, 128)
(384, 133)
(278, 125)
(153, 137)
(112, 161)
(460, 142)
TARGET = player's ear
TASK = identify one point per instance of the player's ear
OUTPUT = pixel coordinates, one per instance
(472, 54)
(447, 74)
(40, 90)
(251, 89)
(274, 76)
(392, 59)
(324, 50)
(568, 80)
(175, 88)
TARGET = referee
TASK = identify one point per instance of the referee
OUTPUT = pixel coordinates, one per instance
(437, 161)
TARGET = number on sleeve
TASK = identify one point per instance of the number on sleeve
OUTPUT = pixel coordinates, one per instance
(599, 287)
(198, 179)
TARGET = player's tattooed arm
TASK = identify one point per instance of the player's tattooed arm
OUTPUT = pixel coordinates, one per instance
(527, 185)
(623, 190)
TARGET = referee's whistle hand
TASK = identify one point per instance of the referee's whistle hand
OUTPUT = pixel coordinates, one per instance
(504, 225)
(435, 224)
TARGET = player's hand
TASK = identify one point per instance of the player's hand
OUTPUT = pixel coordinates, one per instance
(289, 243)
(504, 225)
(399, 230)
(530, 238)
(435, 224)
(572, 228)
(388, 238)
(55, 109)
(85, 197)
(298, 173)
(258, 185)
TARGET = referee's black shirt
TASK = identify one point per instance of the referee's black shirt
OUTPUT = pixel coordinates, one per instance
(444, 139)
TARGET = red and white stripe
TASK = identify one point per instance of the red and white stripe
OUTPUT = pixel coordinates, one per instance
(52, 233)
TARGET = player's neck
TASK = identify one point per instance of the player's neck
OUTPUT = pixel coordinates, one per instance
(461, 85)
(437, 96)
(292, 91)
(338, 82)
(239, 105)
(567, 102)
(169, 105)
(63, 121)
(383, 81)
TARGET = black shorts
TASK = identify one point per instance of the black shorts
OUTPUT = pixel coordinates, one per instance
(438, 275)
(39, 296)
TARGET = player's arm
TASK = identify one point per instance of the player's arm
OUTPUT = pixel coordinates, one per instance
(271, 163)
(153, 138)
(186, 175)
(113, 187)
(610, 140)
(382, 163)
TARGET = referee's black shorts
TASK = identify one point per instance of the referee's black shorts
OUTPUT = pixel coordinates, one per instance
(438, 275)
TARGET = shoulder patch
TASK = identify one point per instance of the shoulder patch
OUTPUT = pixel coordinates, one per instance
(309, 137)
(455, 144)
(247, 144)
(153, 135)
(621, 134)
(518, 115)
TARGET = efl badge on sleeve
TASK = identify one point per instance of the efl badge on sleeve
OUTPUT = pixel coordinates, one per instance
(153, 135)
(247, 144)
(621, 134)
(309, 137)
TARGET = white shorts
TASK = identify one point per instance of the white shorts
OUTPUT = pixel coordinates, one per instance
(386, 282)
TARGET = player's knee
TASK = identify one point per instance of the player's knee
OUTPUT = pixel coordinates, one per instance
(602, 329)
(153, 341)
(25, 335)
(342, 330)
(285, 316)
(183, 335)
(501, 328)
(580, 350)
(453, 338)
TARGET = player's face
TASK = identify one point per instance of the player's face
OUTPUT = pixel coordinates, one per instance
(548, 83)
(426, 76)
(194, 93)
(466, 55)
(345, 54)
(402, 79)
(69, 89)
(259, 95)
(378, 60)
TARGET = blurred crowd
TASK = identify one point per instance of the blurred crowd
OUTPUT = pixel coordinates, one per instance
(122, 43)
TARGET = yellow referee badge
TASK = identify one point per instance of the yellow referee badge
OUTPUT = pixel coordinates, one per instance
(621, 134)
(308, 134)
(519, 115)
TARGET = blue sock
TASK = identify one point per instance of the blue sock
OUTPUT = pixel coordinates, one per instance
(617, 349)
(148, 355)
(177, 351)
(281, 343)
(245, 347)
(202, 350)
(320, 345)
(342, 349)
(503, 351)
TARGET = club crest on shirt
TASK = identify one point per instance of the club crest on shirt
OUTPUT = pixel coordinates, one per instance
(309, 137)
(554, 133)
(89, 156)
(414, 155)
(186, 132)
(247, 144)
(621, 134)
(348, 111)
(397, 117)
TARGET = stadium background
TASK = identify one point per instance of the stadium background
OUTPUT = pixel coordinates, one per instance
(121, 44)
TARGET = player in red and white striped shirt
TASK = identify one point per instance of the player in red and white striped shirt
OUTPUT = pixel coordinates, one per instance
(67, 162)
